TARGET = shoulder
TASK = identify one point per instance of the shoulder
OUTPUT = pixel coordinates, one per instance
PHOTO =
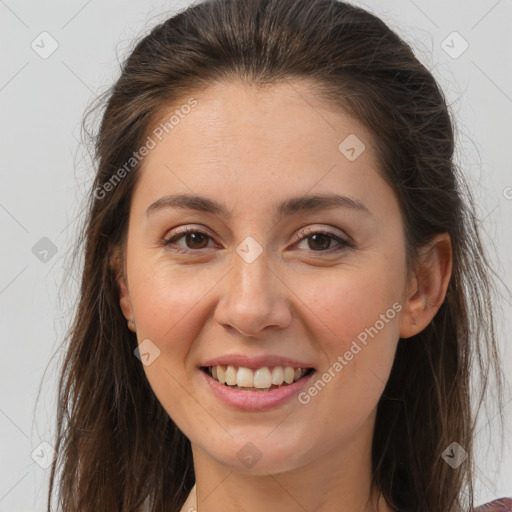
(499, 505)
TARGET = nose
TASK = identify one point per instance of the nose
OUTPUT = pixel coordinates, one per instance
(254, 297)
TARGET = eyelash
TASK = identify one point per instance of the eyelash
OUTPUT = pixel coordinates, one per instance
(304, 234)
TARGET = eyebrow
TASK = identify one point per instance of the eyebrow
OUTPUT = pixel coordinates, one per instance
(288, 207)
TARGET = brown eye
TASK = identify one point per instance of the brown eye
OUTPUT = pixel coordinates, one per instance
(320, 241)
(194, 240)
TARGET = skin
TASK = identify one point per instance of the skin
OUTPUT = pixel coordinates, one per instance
(251, 149)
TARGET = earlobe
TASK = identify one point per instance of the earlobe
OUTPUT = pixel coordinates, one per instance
(428, 290)
(124, 295)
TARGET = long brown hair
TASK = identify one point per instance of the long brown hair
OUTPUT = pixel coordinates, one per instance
(116, 445)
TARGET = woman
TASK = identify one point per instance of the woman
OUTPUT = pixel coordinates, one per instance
(221, 357)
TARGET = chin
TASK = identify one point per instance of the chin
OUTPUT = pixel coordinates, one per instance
(260, 454)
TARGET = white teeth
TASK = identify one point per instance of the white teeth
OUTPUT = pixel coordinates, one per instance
(289, 373)
(231, 376)
(221, 375)
(260, 378)
(277, 375)
(244, 378)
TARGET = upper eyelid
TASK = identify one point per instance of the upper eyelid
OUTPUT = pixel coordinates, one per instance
(301, 234)
(183, 230)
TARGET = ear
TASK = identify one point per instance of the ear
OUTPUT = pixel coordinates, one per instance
(116, 265)
(428, 286)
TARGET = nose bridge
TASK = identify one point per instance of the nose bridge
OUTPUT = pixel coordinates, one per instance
(251, 273)
(253, 297)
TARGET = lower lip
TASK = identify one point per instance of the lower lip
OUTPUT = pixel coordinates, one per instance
(255, 400)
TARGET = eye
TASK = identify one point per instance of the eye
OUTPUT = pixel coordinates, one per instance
(193, 236)
(322, 240)
(195, 239)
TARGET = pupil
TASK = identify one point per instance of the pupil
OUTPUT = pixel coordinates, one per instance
(194, 237)
(325, 237)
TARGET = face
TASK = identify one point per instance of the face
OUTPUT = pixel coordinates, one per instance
(311, 284)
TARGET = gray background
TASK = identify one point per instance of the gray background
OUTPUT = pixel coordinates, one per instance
(45, 174)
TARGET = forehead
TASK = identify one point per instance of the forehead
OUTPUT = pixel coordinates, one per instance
(252, 141)
(276, 116)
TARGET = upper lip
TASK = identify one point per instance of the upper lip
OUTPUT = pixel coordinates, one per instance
(256, 361)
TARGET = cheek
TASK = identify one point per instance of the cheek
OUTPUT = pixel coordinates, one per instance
(169, 308)
(357, 321)
(357, 317)
(167, 301)
(350, 301)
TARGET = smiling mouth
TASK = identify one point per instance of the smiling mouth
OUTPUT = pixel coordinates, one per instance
(258, 379)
